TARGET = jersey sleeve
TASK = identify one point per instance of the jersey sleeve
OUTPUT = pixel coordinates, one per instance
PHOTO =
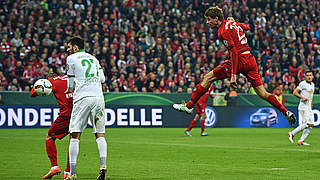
(300, 86)
(33, 93)
(70, 74)
(101, 73)
(70, 67)
(52, 83)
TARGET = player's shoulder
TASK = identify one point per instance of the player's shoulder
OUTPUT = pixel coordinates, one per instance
(226, 24)
(233, 25)
(91, 55)
(229, 24)
(71, 58)
(85, 55)
(54, 78)
(229, 27)
(303, 83)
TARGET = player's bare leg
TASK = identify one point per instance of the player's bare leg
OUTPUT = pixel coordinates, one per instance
(203, 119)
(200, 90)
(52, 154)
(262, 93)
(192, 124)
(73, 153)
(102, 147)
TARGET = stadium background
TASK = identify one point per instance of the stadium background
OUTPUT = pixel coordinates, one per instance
(157, 45)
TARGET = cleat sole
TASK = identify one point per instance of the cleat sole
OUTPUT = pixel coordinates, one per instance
(50, 177)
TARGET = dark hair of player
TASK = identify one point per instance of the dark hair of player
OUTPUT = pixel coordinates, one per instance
(77, 41)
(308, 72)
(214, 12)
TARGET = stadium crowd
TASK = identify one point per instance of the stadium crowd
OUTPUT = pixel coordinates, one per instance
(157, 45)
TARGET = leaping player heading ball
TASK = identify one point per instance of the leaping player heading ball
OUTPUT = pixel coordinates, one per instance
(241, 60)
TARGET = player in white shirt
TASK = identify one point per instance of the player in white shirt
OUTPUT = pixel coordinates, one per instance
(85, 76)
(304, 92)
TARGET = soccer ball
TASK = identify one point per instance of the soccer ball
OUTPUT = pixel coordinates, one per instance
(43, 87)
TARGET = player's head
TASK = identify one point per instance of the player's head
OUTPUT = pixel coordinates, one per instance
(75, 44)
(308, 76)
(213, 16)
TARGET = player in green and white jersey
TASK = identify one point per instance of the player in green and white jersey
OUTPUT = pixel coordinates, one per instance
(304, 91)
(85, 77)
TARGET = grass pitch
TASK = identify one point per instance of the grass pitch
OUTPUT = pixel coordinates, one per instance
(164, 153)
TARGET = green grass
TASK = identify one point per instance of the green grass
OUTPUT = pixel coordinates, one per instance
(145, 153)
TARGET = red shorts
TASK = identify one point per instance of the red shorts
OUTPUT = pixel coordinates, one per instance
(201, 108)
(247, 66)
(60, 127)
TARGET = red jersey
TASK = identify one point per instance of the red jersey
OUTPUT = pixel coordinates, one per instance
(231, 34)
(65, 100)
(204, 98)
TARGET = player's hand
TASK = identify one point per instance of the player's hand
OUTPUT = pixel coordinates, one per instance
(304, 99)
(233, 81)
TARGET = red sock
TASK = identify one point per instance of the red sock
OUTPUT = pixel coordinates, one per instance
(192, 124)
(68, 165)
(275, 103)
(202, 125)
(196, 95)
(52, 151)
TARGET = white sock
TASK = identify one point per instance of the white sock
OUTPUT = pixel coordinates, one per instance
(305, 133)
(73, 154)
(299, 128)
(102, 147)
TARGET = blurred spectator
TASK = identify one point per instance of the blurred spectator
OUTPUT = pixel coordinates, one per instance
(278, 93)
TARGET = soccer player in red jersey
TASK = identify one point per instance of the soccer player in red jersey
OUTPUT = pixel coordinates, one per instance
(201, 112)
(60, 127)
(241, 61)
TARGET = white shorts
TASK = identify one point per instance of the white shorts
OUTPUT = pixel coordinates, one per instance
(306, 117)
(84, 108)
